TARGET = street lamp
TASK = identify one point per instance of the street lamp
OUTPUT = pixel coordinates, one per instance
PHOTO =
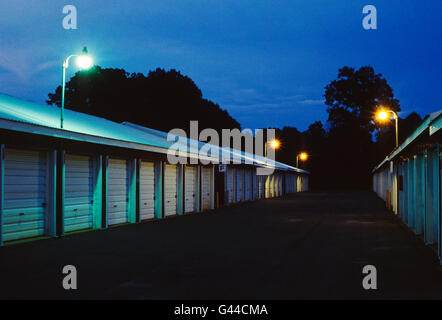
(303, 156)
(84, 61)
(382, 115)
(274, 144)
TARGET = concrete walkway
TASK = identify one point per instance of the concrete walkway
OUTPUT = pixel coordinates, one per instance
(303, 246)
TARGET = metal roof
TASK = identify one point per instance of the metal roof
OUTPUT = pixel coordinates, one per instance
(25, 116)
(237, 155)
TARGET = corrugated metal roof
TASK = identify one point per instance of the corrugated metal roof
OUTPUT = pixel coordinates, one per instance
(241, 156)
(25, 116)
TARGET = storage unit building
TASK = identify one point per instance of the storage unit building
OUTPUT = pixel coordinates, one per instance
(409, 180)
(94, 173)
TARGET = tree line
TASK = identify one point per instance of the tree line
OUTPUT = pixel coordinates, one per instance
(341, 154)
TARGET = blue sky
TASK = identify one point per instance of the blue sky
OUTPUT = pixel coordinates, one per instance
(266, 62)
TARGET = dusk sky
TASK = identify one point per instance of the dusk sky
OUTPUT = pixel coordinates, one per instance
(266, 62)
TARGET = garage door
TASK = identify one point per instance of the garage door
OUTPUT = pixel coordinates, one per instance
(277, 186)
(118, 198)
(147, 190)
(247, 186)
(267, 186)
(25, 194)
(78, 199)
(255, 185)
(260, 186)
(239, 185)
(205, 192)
(170, 189)
(230, 185)
(190, 189)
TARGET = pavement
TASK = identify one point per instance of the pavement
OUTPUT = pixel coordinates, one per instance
(301, 246)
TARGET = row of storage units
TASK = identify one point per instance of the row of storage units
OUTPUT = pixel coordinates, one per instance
(96, 174)
(244, 184)
(94, 191)
(409, 181)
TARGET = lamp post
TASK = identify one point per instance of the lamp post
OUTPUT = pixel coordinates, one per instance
(274, 144)
(84, 61)
(382, 115)
(303, 156)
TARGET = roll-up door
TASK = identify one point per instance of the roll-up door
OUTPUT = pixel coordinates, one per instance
(267, 186)
(190, 189)
(272, 186)
(230, 185)
(147, 190)
(206, 187)
(255, 185)
(281, 184)
(276, 185)
(246, 185)
(25, 194)
(239, 185)
(118, 197)
(170, 189)
(79, 193)
(261, 186)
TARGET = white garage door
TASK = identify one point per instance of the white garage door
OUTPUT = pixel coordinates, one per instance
(239, 185)
(25, 194)
(117, 198)
(189, 189)
(247, 185)
(78, 199)
(205, 192)
(277, 191)
(267, 186)
(147, 190)
(170, 189)
(230, 185)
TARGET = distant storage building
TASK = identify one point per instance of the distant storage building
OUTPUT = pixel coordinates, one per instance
(95, 174)
(409, 180)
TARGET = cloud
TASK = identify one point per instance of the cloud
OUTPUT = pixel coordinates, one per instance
(312, 101)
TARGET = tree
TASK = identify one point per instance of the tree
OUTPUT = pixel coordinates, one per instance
(163, 100)
(352, 100)
(355, 96)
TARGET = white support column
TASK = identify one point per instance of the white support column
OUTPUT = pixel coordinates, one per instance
(180, 189)
(212, 187)
(132, 163)
(52, 193)
(97, 220)
(106, 190)
(158, 206)
(198, 189)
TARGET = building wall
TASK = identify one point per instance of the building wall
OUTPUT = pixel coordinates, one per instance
(415, 187)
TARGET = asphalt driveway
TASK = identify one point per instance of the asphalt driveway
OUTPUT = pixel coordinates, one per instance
(302, 246)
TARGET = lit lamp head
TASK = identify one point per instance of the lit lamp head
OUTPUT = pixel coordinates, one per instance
(274, 144)
(84, 61)
(382, 115)
(303, 156)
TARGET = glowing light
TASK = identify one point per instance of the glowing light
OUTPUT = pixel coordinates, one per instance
(303, 156)
(382, 115)
(275, 144)
(84, 61)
